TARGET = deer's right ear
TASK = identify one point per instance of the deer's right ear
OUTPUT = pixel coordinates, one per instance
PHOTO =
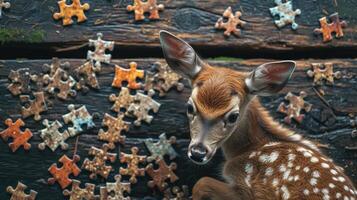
(270, 78)
(180, 56)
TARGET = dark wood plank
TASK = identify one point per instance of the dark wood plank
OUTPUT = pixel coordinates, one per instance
(191, 20)
(31, 167)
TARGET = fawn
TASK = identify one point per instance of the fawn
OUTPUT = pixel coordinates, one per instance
(263, 159)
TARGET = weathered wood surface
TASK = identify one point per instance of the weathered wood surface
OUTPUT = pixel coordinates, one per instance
(193, 20)
(31, 167)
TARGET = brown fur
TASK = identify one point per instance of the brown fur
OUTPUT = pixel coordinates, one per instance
(255, 129)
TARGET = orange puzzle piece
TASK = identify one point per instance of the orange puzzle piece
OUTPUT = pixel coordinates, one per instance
(334, 27)
(19, 138)
(232, 23)
(68, 11)
(141, 7)
(161, 174)
(129, 75)
(61, 175)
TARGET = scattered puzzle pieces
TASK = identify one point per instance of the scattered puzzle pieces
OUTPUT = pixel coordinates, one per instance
(115, 191)
(20, 81)
(61, 175)
(86, 74)
(231, 25)
(336, 26)
(286, 14)
(141, 7)
(133, 170)
(177, 193)
(115, 127)
(76, 9)
(56, 82)
(98, 55)
(19, 138)
(322, 72)
(163, 80)
(296, 105)
(141, 107)
(161, 148)
(160, 175)
(56, 64)
(19, 192)
(34, 107)
(52, 137)
(123, 100)
(4, 5)
(77, 193)
(78, 117)
(98, 166)
(129, 75)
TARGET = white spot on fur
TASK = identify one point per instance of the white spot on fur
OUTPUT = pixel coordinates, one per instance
(295, 137)
(291, 157)
(286, 194)
(325, 165)
(296, 177)
(338, 195)
(316, 190)
(306, 192)
(248, 168)
(310, 144)
(326, 197)
(346, 198)
(314, 159)
(286, 174)
(352, 192)
(265, 158)
(307, 154)
(275, 182)
(331, 185)
(306, 169)
(290, 164)
(334, 172)
(313, 181)
(269, 171)
(325, 191)
(264, 180)
(341, 179)
(282, 168)
(247, 180)
(253, 154)
(297, 167)
(271, 144)
(334, 178)
(352, 198)
(315, 174)
(346, 188)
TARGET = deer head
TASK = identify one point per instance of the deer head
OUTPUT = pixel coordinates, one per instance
(219, 95)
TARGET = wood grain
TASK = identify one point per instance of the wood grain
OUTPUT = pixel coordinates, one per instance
(329, 125)
(191, 20)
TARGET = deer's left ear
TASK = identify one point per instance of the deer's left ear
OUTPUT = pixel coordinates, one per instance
(270, 78)
(180, 56)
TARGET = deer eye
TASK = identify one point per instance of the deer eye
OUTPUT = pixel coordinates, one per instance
(232, 117)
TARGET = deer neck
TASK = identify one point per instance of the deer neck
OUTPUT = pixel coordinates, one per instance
(250, 133)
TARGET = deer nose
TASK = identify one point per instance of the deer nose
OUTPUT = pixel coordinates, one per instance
(198, 153)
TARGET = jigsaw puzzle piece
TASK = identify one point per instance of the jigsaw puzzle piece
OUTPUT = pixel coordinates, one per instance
(35, 107)
(78, 117)
(286, 14)
(52, 137)
(77, 193)
(231, 25)
(86, 73)
(123, 100)
(99, 55)
(20, 81)
(98, 166)
(321, 72)
(19, 138)
(141, 107)
(128, 75)
(336, 26)
(18, 193)
(141, 7)
(5, 5)
(76, 9)
(161, 174)
(177, 193)
(61, 175)
(115, 191)
(133, 160)
(115, 127)
(294, 108)
(161, 148)
(56, 82)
